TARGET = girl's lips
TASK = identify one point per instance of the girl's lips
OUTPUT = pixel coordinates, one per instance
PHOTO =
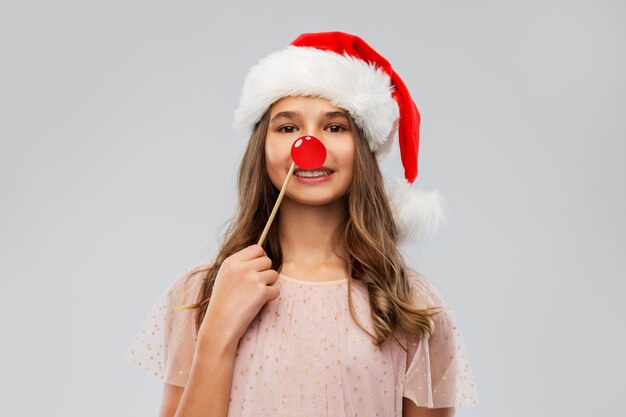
(314, 180)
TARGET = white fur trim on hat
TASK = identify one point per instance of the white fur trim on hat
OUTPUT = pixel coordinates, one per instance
(361, 88)
(416, 211)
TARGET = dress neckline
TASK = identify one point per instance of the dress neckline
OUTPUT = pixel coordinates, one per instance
(307, 282)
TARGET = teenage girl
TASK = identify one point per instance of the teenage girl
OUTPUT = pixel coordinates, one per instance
(325, 318)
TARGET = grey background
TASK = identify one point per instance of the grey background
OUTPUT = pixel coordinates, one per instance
(118, 163)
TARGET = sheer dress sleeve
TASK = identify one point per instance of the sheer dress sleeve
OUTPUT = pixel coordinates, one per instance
(164, 345)
(438, 372)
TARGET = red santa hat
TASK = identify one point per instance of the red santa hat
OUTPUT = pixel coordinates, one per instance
(348, 72)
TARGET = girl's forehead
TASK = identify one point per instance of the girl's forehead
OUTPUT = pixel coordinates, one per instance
(302, 104)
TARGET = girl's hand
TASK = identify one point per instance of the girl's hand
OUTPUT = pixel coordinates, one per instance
(242, 286)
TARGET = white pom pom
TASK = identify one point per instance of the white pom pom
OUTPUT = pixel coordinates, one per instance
(417, 212)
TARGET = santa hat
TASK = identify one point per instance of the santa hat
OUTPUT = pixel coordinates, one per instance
(345, 70)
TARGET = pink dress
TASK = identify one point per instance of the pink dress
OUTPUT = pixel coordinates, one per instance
(304, 356)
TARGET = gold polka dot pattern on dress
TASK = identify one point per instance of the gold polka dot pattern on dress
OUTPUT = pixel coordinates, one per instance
(165, 344)
(304, 356)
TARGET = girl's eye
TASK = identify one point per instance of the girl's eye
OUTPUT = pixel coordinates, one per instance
(282, 128)
(286, 126)
(337, 131)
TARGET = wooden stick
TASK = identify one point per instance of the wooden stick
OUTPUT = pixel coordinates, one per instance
(277, 204)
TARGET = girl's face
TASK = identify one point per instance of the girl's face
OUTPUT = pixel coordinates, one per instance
(293, 117)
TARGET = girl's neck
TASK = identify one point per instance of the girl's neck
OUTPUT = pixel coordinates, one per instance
(305, 233)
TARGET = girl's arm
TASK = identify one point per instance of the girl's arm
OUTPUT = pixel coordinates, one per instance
(207, 392)
(244, 283)
(170, 399)
(409, 409)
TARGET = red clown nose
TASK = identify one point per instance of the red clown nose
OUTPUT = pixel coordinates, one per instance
(308, 152)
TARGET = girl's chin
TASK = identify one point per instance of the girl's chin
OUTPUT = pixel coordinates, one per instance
(311, 197)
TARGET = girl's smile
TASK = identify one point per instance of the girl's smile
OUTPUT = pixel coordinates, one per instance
(315, 178)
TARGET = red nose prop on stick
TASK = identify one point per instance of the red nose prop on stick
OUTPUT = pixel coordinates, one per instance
(307, 152)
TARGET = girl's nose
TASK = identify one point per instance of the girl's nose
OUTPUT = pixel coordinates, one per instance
(317, 132)
(308, 152)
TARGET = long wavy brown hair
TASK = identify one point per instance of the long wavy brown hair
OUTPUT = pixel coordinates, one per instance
(366, 239)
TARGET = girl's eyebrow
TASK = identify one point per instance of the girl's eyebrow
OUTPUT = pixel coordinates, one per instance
(286, 114)
(294, 114)
(336, 114)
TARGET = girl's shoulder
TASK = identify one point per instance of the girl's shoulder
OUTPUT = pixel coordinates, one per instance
(194, 274)
(423, 292)
(187, 284)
